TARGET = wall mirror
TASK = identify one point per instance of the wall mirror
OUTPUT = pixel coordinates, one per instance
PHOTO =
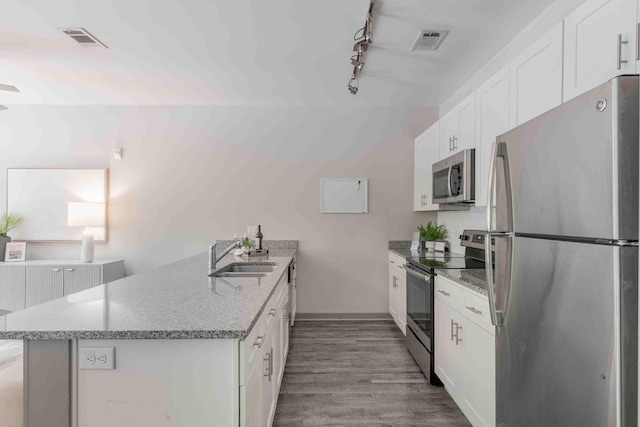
(44, 196)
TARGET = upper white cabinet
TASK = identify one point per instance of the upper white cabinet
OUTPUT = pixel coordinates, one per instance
(492, 119)
(458, 128)
(536, 78)
(600, 43)
(426, 153)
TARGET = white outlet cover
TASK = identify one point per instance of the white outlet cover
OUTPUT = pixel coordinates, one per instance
(98, 358)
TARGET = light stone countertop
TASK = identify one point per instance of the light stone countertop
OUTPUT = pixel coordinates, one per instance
(474, 279)
(175, 301)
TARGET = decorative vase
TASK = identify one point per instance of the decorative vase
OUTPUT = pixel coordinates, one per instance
(4, 239)
(429, 246)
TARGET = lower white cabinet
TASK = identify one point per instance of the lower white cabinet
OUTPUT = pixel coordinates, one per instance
(25, 284)
(398, 291)
(465, 351)
(263, 356)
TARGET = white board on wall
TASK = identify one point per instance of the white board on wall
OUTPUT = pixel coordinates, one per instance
(42, 196)
(344, 195)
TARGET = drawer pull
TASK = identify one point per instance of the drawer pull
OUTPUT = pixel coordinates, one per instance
(272, 312)
(446, 294)
(474, 310)
(391, 262)
(56, 269)
(259, 342)
(70, 269)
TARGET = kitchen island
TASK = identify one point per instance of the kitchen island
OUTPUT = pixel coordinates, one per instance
(188, 349)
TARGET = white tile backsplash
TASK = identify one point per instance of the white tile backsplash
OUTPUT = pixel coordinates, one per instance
(458, 221)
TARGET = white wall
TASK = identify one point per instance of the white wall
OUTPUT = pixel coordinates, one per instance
(194, 174)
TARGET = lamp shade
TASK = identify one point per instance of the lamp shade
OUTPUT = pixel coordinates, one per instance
(83, 214)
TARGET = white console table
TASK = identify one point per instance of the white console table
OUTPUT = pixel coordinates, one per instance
(24, 284)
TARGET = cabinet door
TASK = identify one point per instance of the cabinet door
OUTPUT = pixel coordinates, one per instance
(433, 155)
(492, 119)
(594, 43)
(251, 397)
(269, 381)
(420, 163)
(284, 325)
(536, 78)
(401, 300)
(12, 288)
(43, 284)
(479, 379)
(78, 279)
(465, 137)
(448, 130)
(392, 290)
(449, 361)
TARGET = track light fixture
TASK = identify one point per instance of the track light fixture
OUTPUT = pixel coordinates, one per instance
(361, 40)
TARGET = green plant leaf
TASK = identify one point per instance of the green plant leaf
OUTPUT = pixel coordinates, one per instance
(10, 221)
(432, 232)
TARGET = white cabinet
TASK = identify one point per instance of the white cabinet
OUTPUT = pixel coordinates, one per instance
(24, 284)
(12, 288)
(263, 356)
(457, 128)
(398, 291)
(426, 153)
(599, 43)
(492, 119)
(536, 78)
(465, 350)
(44, 284)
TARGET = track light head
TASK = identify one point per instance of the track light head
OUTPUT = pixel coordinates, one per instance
(353, 85)
(355, 61)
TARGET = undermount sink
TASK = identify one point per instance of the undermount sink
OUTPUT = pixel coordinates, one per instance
(239, 270)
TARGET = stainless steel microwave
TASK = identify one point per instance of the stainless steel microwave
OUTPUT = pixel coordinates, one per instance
(454, 178)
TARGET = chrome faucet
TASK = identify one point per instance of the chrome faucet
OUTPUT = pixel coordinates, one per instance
(213, 258)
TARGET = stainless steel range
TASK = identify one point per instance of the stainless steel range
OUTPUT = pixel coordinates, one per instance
(420, 295)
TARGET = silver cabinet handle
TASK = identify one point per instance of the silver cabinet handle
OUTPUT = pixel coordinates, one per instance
(451, 329)
(391, 262)
(473, 310)
(272, 312)
(56, 269)
(285, 309)
(446, 294)
(455, 146)
(259, 342)
(269, 359)
(620, 43)
(450, 144)
(70, 269)
(458, 339)
(401, 266)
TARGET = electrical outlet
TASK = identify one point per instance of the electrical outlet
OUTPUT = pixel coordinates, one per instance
(97, 358)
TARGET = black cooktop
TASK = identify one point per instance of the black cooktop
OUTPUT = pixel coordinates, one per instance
(431, 261)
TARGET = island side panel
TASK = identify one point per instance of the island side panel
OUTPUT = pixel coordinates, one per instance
(162, 383)
(47, 383)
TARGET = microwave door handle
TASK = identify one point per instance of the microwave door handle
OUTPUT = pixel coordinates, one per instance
(449, 181)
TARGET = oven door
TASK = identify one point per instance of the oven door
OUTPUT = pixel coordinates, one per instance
(420, 305)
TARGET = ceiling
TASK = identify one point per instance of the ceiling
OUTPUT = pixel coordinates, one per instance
(246, 52)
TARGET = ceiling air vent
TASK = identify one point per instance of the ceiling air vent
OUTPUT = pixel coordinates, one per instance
(83, 37)
(429, 40)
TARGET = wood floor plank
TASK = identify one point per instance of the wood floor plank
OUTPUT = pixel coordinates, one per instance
(358, 373)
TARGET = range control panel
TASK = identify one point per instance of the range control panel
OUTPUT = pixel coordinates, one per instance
(474, 239)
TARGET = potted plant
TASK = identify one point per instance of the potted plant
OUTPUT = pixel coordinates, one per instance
(247, 244)
(432, 233)
(8, 222)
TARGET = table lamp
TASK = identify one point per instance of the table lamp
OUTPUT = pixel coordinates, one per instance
(84, 214)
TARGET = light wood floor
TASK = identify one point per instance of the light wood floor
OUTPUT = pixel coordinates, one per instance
(358, 373)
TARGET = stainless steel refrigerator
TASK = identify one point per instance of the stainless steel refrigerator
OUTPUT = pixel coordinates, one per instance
(565, 294)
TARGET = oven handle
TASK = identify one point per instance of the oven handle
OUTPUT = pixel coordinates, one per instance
(414, 273)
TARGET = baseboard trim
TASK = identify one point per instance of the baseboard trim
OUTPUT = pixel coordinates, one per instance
(308, 317)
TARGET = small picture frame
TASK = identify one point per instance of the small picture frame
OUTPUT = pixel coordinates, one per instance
(15, 251)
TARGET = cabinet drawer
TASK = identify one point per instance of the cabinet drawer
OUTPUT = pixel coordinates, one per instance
(447, 292)
(396, 260)
(475, 307)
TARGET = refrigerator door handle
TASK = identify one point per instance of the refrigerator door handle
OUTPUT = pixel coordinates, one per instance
(490, 287)
(492, 177)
